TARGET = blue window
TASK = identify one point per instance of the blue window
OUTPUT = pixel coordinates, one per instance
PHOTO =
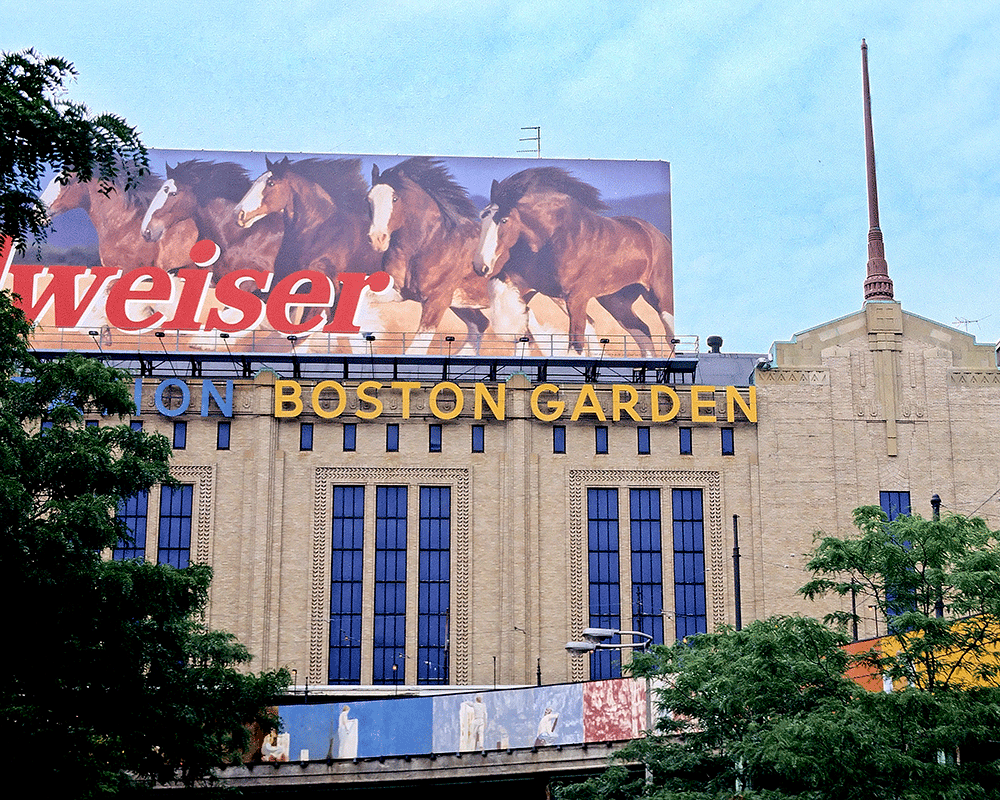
(91, 423)
(684, 441)
(434, 438)
(895, 504)
(728, 446)
(222, 435)
(180, 435)
(350, 437)
(132, 512)
(136, 424)
(647, 563)
(478, 438)
(392, 438)
(558, 438)
(604, 580)
(346, 576)
(642, 440)
(601, 439)
(689, 562)
(434, 591)
(389, 620)
(175, 526)
(305, 436)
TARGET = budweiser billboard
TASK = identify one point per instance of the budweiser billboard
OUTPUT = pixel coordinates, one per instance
(342, 254)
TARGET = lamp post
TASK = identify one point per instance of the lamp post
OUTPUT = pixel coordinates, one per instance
(596, 638)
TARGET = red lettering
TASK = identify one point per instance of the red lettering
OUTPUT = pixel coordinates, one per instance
(124, 292)
(230, 292)
(351, 286)
(60, 292)
(320, 295)
(192, 299)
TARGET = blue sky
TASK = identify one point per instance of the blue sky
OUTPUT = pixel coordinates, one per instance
(757, 107)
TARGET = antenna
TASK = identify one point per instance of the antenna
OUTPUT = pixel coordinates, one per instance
(537, 139)
(965, 323)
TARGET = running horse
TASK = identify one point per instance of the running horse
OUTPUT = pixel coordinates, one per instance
(427, 230)
(544, 231)
(202, 194)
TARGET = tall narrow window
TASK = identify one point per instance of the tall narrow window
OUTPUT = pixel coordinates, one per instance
(434, 438)
(392, 437)
(132, 511)
(350, 437)
(346, 576)
(601, 439)
(689, 562)
(435, 584)
(305, 436)
(684, 441)
(175, 526)
(603, 567)
(180, 435)
(558, 438)
(728, 444)
(642, 440)
(478, 438)
(389, 635)
(897, 504)
(222, 435)
(647, 563)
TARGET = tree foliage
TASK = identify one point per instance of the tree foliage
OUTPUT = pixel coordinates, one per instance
(40, 129)
(768, 712)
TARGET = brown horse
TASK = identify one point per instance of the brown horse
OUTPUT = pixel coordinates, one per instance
(544, 232)
(427, 230)
(204, 192)
(117, 218)
(322, 205)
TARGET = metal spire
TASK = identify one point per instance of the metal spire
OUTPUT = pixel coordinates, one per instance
(878, 285)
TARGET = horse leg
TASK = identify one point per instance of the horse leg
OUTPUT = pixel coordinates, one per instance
(476, 321)
(619, 305)
(576, 307)
(508, 311)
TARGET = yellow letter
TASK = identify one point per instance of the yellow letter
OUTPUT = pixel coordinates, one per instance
(405, 387)
(587, 403)
(459, 400)
(341, 399)
(697, 404)
(617, 406)
(734, 398)
(363, 396)
(497, 407)
(556, 407)
(654, 397)
(283, 398)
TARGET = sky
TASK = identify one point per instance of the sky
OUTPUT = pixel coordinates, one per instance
(756, 105)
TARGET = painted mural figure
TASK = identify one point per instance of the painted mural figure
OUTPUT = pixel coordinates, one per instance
(275, 747)
(547, 728)
(347, 735)
(472, 725)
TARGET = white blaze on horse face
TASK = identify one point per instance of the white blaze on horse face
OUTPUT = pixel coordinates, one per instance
(165, 192)
(489, 233)
(51, 193)
(248, 211)
(380, 199)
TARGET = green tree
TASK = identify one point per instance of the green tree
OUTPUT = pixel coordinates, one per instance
(111, 682)
(40, 129)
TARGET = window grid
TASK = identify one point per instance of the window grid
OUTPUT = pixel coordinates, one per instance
(132, 512)
(689, 562)
(604, 580)
(175, 526)
(434, 603)
(647, 563)
(389, 635)
(346, 576)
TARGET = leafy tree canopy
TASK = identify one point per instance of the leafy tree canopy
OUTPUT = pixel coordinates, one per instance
(40, 129)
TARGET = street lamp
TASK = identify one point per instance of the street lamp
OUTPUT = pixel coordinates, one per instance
(596, 639)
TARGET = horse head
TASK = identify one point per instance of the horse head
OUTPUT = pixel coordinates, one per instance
(499, 231)
(384, 212)
(64, 193)
(266, 195)
(172, 203)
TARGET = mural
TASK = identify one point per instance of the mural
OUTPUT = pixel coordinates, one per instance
(493, 720)
(357, 254)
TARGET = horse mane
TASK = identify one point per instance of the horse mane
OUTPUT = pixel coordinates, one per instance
(339, 177)
(141, 194)
(431, 175)
(554, 179)
(212, 179)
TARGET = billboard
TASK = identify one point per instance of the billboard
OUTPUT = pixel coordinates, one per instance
(358, 254)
